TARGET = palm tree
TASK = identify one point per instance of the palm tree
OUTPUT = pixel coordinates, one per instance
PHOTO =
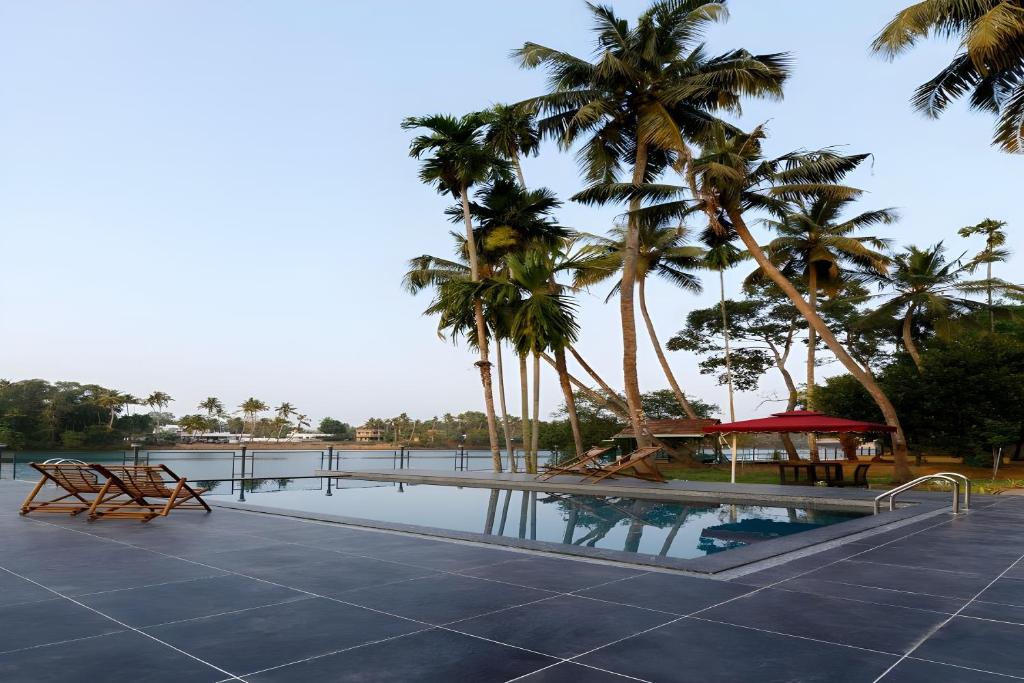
(111, 400)
(251, 408)
(994, 252)
(456, 159)
(816, 244)
(512, 133)
(926, 286)
(989, 63)
(651, 86)
(212, 406)
(284, 411)
(301, 422)
(157, 401)
(543, 320)
(665, 252)
(731, 177)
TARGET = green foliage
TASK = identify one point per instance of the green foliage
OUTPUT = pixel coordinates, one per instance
(35, 413)
(337, 429)
(968, 399)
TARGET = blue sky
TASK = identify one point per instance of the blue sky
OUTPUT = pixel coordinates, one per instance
(215, 198)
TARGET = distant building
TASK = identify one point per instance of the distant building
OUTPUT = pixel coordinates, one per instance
(679, 436)
(367, 434)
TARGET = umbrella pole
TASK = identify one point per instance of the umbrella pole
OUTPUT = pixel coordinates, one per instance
(732, 446)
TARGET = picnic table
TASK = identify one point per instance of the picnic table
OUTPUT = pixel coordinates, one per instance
(830, 472)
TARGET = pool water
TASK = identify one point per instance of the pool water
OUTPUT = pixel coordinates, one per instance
(609, 522)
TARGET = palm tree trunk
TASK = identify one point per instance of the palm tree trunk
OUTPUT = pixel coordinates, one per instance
(535, 435)
(991, 313)
(908, 340)
(812, 344)
(481, 336)
(570, 401)
(901, 469)
(660, 353)
(617, 407)
(612, 395)
(505, 421)
(519, 171)
(728, 372)
(626, 311)
(524, 395)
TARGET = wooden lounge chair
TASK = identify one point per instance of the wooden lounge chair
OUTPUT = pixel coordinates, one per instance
(137, 486)
(639, 464)
(581, 465)
(76, 479)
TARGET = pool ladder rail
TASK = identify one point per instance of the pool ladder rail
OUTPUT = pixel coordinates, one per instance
(953, 478)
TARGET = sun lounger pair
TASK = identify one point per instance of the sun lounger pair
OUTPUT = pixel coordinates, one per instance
(129, 492)
(639, 464)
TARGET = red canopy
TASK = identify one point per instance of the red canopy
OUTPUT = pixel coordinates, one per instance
(799, 421)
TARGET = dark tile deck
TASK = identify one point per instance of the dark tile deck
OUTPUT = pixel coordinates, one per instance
(240, 596)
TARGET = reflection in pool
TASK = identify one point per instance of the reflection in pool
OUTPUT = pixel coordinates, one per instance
(609, 522)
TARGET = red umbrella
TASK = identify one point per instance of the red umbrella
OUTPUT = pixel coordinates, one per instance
(798, 421)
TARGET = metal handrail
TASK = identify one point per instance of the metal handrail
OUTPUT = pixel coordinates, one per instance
(967, 486)
(891, 494)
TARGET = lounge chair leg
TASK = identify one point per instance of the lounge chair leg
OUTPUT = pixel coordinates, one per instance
(39, 487)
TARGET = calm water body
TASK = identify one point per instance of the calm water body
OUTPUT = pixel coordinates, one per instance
(631, 525)
(210, 465)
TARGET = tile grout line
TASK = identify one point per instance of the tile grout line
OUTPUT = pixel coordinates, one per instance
(126, 626)
(968, 668)
(953, 616)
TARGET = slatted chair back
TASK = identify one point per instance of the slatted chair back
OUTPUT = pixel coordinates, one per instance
(146, 481)
(73, 481)
(577, 465)
(640, 461)
(71, 477)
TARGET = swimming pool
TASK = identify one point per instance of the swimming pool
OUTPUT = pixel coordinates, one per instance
(632, 525)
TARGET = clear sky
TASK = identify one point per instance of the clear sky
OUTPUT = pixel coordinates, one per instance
(215, 198)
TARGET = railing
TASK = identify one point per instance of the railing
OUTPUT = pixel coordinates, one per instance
(951, 477)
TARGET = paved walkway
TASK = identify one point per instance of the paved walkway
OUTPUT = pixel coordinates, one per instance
(237, 596)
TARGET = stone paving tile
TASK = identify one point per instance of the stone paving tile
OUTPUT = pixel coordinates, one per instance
(569, 672)
(188, 600)
(911, 579)
(434, 655)
(441, 598)
(553, 574)
(866, 625)
(32, 624)
(997, 612)
(563, 626)
(668, 592)
(917, 671)
(126, 656)
(270, 636)
(985, 645)
(879, 596)
(695, 651)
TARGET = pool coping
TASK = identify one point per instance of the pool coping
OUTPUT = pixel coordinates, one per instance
(735, 561)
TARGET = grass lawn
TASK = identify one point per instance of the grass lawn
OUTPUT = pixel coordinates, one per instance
(1011, 475)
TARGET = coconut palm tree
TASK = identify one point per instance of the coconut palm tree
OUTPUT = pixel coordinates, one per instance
(925, 286)
(251, 409)
(989, 63)
(652, 86)
(512, 133)
(664, 252)
(732, 177)
(301, 422)
(112, 401)
(284, 411)
(212, 405)
(994, 252)
(157, 401)
(816, 243)
(455, 158)
(543, 319)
